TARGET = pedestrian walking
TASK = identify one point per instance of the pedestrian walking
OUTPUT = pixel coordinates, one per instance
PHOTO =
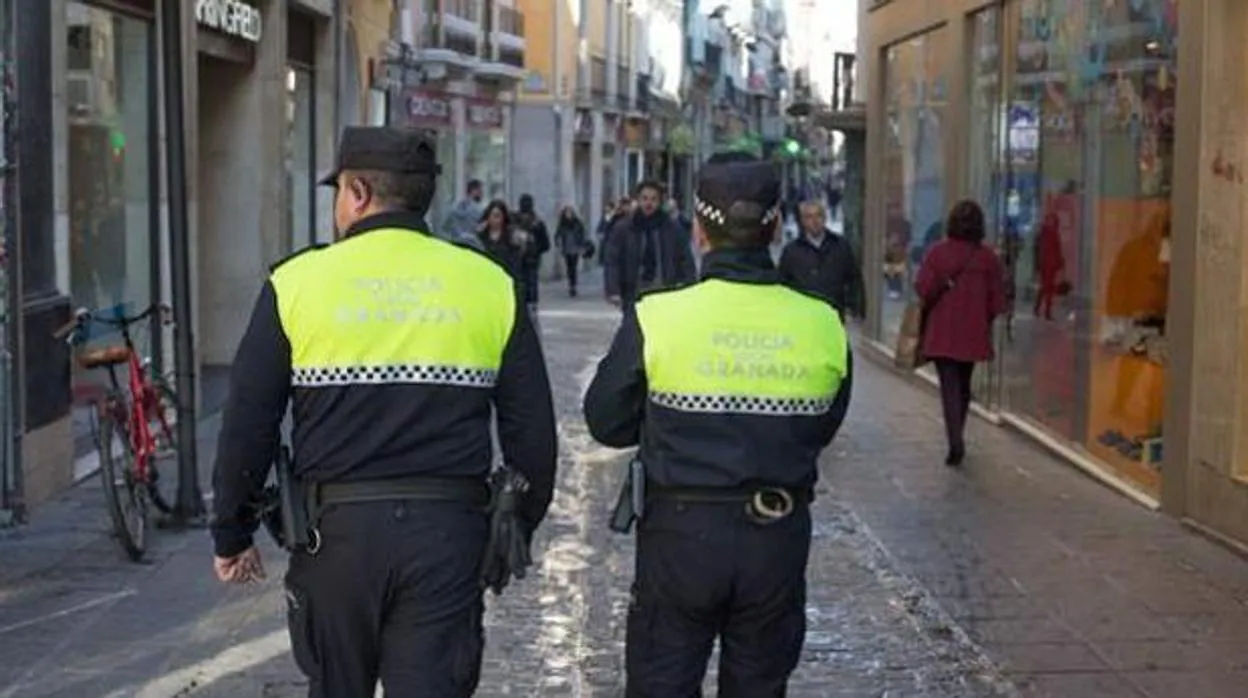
(461, 222)
(741, 383)
(961, 284)
(822, 262)
(573, 244)
(537, 243)
(645, 249)
(502, 242)
(391, 347)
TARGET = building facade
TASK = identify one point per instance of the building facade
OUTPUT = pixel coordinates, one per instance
(1103, 141)
(260, 83)
(453, 68)
(736, 77)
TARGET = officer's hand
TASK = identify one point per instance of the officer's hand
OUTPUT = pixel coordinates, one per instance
(240, 569)
(614, 300)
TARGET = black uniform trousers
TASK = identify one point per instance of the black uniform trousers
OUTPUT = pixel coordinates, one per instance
(704, 570)
(392, 595)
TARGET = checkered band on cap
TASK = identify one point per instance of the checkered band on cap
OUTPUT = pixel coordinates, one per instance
(708, 211)
(712, 213)
(743, 404)
(394, 374)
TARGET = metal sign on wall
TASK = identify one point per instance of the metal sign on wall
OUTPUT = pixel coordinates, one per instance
(230, 17)
(429, 110)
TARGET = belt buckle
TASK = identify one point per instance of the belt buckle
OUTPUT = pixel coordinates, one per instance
(314, 541)
(768, 505)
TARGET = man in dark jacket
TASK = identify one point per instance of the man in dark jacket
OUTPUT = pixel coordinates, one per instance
(823, 263)
(646, 250)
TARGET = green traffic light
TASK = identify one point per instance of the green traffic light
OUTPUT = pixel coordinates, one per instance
(792, 147)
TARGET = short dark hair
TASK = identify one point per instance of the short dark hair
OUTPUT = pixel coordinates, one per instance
(650, 184)
(409, 191)
(965, 222)
(742, 227)
(475, 184)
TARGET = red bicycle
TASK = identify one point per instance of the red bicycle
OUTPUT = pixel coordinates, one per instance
(134, 423)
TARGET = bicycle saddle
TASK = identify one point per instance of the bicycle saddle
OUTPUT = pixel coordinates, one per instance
(104, 356)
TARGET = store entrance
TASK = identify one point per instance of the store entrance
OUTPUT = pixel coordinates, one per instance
(225, 200)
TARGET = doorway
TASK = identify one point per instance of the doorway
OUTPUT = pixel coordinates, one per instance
(225, 261)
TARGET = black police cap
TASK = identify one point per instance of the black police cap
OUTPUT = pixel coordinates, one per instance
(384, 149)
(733, 178)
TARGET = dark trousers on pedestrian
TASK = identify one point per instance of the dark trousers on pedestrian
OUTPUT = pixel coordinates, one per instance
(393, 595)
(573, 263)
(955, 398)
(704, 570)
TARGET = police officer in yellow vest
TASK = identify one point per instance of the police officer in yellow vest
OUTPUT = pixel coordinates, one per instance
(731, 387)
(391, 347)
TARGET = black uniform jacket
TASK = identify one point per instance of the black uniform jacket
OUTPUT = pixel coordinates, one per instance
(830, 270)
(367, 432)
(681, 449)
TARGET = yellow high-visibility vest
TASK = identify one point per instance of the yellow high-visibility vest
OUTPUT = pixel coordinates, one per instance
(738, 348)
(394, 306)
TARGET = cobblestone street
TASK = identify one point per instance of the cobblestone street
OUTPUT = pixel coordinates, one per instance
(1013, 575)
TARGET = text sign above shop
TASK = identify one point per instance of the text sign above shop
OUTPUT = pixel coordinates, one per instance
(429, 110)
(483, 114)
(230, 17)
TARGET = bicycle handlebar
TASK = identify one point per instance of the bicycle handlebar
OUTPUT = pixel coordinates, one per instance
(82, 317)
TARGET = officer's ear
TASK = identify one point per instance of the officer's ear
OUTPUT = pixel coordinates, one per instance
(699, 235)
(360, 193)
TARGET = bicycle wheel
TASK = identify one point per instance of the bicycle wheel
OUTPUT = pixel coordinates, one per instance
(162, 420)
(126, 501)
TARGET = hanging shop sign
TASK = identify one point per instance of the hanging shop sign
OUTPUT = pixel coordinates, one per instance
(230, 17)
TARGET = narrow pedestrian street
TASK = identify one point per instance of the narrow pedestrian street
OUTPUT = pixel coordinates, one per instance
(1014, 575)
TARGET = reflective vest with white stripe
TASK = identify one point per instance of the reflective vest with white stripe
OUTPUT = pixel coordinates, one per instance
(392, 306)
(720, 347)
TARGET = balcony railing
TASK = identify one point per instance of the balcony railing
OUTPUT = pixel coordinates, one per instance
(463, 9)
(461, 17)
(510, 22)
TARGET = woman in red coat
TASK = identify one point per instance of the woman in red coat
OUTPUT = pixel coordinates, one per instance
(961, 283)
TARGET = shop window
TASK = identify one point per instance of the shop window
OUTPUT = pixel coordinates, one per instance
(108, 266)
(914, 170)
(984, 156)
(110, 197)
(1090, 130)
(487, 161)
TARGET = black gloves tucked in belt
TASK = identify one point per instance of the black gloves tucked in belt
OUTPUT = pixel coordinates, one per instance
(507, 551)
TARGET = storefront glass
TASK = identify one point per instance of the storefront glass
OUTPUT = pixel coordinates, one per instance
(109, 73)
(914, 169)
(446, 195)
(300, 158)
(9, 478)
(983, 170)
(1090, 132)
(487, 161)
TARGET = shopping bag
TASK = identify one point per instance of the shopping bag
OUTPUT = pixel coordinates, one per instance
(908, 354)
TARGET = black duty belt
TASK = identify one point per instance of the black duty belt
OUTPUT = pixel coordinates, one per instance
(468, 490)
(764, 504)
